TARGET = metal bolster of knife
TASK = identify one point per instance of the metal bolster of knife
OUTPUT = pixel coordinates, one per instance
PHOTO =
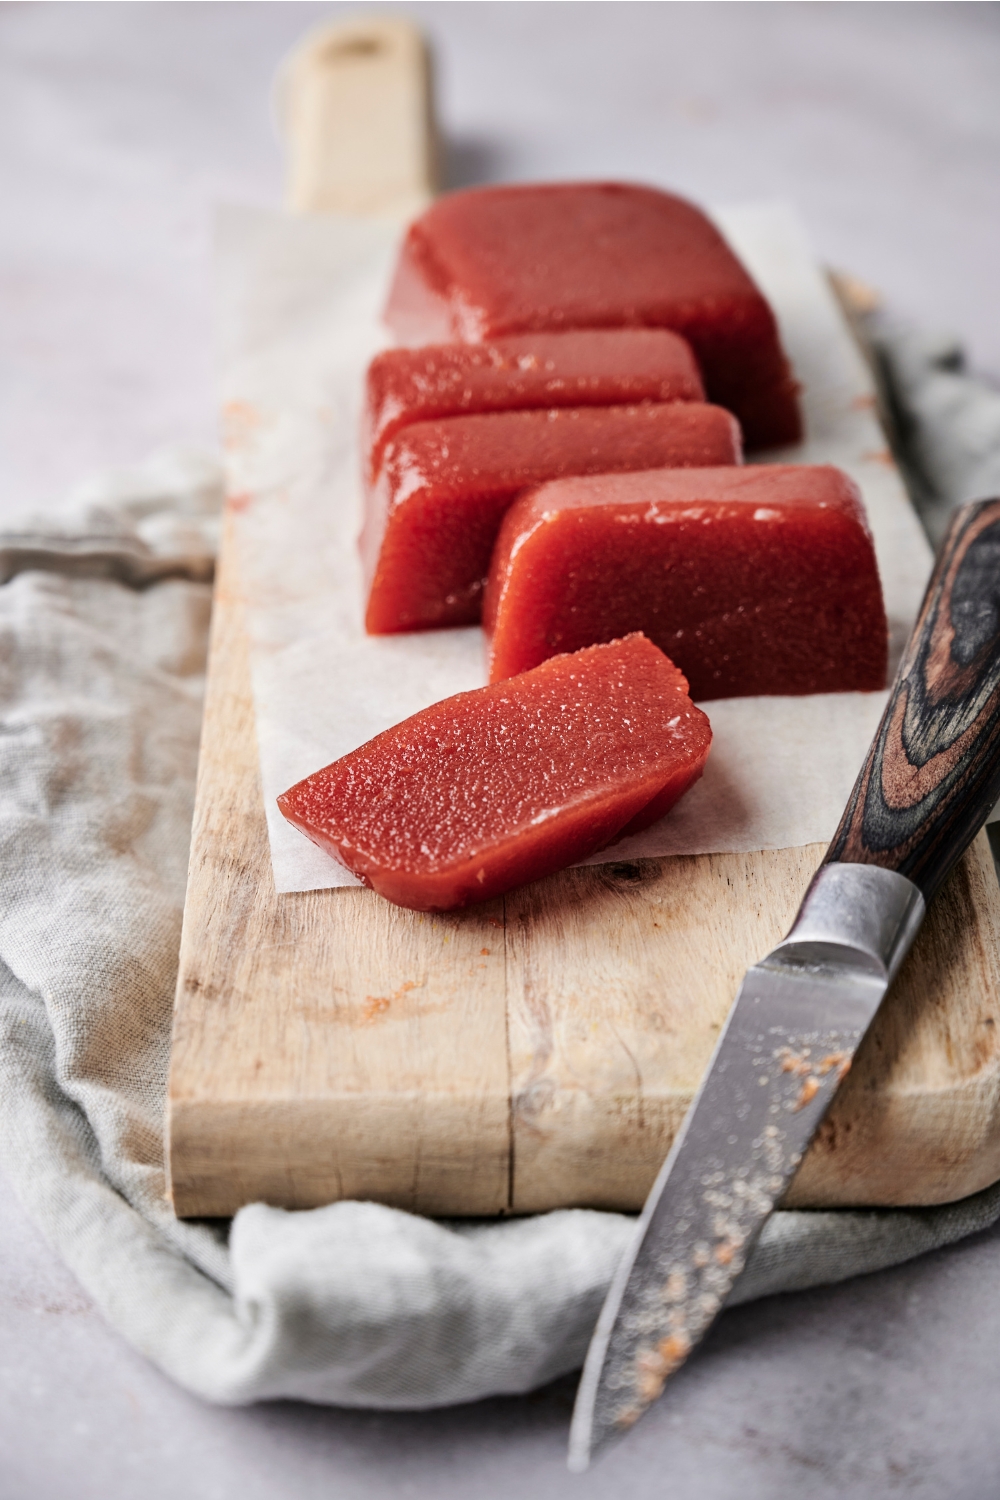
(859, 916)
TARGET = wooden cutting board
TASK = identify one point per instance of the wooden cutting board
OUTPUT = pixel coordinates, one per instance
(539, 1051)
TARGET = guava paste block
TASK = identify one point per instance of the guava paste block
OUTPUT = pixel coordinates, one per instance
(432, 515)
(489, 262)
(492, 788)
(586, 367)
(758, 580)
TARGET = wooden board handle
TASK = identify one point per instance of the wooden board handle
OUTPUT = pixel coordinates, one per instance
(355, 105)
(933, 771)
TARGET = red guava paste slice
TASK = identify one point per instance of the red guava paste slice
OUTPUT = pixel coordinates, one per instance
(587, 367)
(754, 580)
(432, 516)
(489, 789)
(488, 262)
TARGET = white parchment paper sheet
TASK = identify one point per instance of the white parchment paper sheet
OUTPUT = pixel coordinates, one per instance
(299, 301)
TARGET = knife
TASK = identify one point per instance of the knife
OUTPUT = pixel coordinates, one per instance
(928, 783)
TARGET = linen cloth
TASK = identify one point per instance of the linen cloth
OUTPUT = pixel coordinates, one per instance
(103, 630)
(947, 423)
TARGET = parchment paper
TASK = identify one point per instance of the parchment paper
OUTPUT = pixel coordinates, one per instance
(299, 319)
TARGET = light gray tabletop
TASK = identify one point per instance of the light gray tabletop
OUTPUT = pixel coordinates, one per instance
(120, 126)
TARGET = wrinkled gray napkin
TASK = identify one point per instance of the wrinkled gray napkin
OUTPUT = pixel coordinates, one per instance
(103, 619)
(947, 424)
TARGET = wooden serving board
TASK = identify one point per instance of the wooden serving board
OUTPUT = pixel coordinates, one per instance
(539, 1051)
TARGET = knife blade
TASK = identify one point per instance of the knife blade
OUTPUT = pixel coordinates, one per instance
(930, 779)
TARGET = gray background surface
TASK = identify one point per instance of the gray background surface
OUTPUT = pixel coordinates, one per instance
(120, 126)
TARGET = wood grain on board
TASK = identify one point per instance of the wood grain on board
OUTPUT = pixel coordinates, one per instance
(540, 1051)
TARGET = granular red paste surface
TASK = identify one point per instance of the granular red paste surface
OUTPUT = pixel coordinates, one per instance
(757, 580)
(489, 262)
(490, 789)
(432, 517)
(588, 367)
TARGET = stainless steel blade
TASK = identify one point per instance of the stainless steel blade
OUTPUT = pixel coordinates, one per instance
(788, 1042)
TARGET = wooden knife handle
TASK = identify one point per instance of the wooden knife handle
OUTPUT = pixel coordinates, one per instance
(933, 771)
